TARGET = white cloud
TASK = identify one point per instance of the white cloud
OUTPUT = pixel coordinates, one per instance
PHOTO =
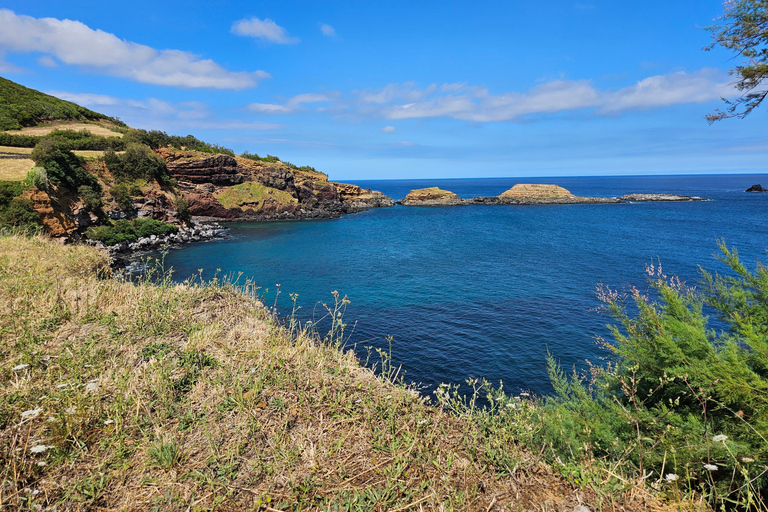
(265, 29)
(327, 30)
(74, 43)
(154, 113)
(48, 61)
(388, 129)
(473, 103)
(294, 104)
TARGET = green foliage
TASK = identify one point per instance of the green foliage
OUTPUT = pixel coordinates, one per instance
(67, 139)
(272, 159)
(21, 106)
(62, 166)
(129, 231)
(182, 209)
(679, 398)
(123, 192)
(16, 213)
(138, 162)
(165, 454)
(156, 139)
(744, 31)
(90, 197)
(37, 177)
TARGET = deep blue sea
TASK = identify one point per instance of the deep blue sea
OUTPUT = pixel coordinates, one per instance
(486, 291)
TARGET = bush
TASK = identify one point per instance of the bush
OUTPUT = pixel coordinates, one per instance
(16, 213)
(138, 162)
(680, 401)
(129, 231)
(183, 212)
(90, 197)
(61, 165)
(156, 139)
(122, 194)
(37, 177)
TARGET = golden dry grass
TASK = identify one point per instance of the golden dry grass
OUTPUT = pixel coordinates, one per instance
(14, 169)
(15, 151)
(44, 129)
(120, 396)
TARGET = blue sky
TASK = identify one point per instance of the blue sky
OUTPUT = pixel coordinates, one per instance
(378, 90)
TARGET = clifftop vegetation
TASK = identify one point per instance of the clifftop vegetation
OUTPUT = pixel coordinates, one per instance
(21, 106)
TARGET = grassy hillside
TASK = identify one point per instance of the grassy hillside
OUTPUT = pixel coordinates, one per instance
(21, 106)
(120, 396)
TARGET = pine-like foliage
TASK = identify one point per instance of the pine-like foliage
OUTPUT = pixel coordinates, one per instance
(684, 400)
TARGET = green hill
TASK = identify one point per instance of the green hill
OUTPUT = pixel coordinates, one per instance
(21, 106)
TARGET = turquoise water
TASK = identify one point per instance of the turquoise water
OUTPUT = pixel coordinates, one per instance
(486, 291)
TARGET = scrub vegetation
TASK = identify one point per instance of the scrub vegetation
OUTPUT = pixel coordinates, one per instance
(164, 396)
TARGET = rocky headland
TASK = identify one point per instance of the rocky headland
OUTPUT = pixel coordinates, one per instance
(528, 194)
(235, 188)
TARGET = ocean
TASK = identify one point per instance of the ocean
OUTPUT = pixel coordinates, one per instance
(487, 291)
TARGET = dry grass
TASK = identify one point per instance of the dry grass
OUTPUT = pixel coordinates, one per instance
(180, 397)
(44, 129)
(15, 151)
(14, 169)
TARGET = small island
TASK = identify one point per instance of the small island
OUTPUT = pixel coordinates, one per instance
(529, 194)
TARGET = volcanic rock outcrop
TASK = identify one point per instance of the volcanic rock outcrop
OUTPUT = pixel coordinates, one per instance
(432, 196)
(226, 187)
(756, 188)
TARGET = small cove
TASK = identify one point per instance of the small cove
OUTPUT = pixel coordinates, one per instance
(486, 291)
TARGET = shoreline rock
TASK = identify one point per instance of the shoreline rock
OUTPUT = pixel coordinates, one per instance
(756, 188)
(636, 198)
(124, 254)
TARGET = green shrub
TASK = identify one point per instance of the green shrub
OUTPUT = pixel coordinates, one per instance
(123, 193)
(680, 401)
(16, 213)
(182, 209)
(38, 177)
(90, 197)
(62, 166)
(129, 231)
(138, 162)
(156, 139)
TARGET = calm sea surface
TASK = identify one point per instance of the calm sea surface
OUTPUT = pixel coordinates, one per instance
(486, 291)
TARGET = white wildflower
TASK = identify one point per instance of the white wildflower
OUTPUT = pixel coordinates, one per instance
(50, 419)
(42, 463)
(525, 394)
(91, 387)
(710, 467)
(422, 422)
(31, 413)
(71, 410)
(670, 477)
(109, 422)
(38, 449)
(61, 386)
(87, 366)
(19, 367)
(720, 438)
(747, 460)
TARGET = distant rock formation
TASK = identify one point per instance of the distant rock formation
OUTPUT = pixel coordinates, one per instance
(535, 191)
(432, 196)
(756, 188)
(659, 197)
(528, 194)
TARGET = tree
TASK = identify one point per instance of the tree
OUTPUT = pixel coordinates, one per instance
(744, 30)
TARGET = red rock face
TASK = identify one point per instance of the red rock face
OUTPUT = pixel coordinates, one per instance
(221, 170)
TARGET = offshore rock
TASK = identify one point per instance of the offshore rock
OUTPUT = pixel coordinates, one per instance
(432, 196)
(659, 197)
(756, 188)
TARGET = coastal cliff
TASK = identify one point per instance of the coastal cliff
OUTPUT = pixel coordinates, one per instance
(236, 188)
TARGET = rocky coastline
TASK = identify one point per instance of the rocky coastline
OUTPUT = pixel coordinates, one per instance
(126, 254)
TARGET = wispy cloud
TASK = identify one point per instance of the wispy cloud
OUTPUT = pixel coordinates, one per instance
(294, 104)
(156, 113)
(478, 104)
(74, 43)
(266, 30)
(327, 30)
(388, 129)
